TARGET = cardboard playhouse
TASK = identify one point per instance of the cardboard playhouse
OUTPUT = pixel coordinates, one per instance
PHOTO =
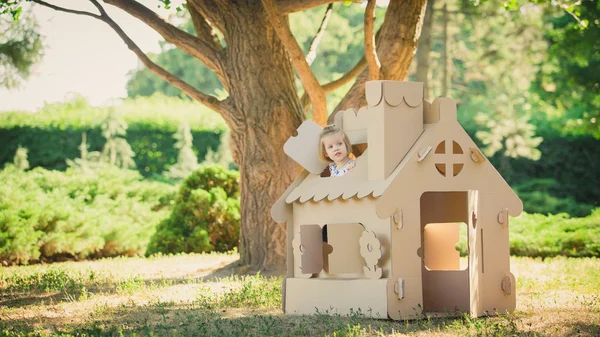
(381, 239)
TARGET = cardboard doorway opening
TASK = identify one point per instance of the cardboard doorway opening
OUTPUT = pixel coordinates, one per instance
(445, 281)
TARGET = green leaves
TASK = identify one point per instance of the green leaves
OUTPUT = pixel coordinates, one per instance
(20, 48)
(47, 214)
(12, 7)
(205, 216)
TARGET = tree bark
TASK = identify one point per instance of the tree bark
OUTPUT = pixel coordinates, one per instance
(307, 77)
(373, 64)
(267, 112)
(424, 49)
(396, 45)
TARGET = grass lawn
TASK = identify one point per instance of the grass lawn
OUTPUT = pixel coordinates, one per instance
(198, 295)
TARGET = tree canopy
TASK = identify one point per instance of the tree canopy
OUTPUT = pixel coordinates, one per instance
(20, 49)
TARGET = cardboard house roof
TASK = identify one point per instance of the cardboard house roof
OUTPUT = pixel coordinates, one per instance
(442, 157)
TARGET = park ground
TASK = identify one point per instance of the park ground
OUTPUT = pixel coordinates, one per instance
(209, 295)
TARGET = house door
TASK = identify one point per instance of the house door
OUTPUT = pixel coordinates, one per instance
(444, 219)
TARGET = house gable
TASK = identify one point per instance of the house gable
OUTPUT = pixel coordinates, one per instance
(445, 158)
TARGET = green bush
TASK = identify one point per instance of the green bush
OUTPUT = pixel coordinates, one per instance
(51, 215)
(573, 162)
(538, 235)
(205, 216)
(538, 197)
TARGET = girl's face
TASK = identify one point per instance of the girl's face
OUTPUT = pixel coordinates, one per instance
(335, 147)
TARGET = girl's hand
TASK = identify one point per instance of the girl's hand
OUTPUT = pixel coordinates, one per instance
(351, 165)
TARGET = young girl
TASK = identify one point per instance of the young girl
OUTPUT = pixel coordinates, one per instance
(335, 148)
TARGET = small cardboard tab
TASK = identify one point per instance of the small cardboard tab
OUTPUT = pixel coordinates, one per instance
(423, 153)
(399, 288)
(476, 155)
(502, 216)
(304, 148)
(507, 285)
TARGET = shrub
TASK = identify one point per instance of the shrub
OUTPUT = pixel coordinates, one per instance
(538, 196)
(205, 214)
(538, 235)
(51, 215)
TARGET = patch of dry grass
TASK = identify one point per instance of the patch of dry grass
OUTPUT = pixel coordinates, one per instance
(199, 295)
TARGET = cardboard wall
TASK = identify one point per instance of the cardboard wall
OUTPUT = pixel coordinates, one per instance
(495, 257)
(395, 123)
(342, 218)
(406, 261)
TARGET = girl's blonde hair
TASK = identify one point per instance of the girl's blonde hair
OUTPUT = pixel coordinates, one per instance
(330, 130)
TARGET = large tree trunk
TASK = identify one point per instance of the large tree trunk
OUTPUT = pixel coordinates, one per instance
(266, 113)
(396, 45)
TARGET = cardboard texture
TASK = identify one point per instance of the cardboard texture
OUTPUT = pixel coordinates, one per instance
(392, 222)
(345, 257)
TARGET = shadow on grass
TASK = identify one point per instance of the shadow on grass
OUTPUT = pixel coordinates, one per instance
(11, 298)
(585, 329)
(163, 319)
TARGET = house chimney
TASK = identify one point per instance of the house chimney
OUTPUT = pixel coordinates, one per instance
(395, 123)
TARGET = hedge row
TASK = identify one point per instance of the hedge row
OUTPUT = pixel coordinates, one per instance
(537, 235)
(572, 162)
(49, 147)
(53, 134)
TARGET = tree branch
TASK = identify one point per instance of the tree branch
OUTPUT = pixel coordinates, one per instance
(212, 11)
(334, 85)
(347, 77)
(309, 81)
(204, 29)
(290, 6)
(210, 101)
(312, 51)
(373, 63)
(396, 44)
(204, 51)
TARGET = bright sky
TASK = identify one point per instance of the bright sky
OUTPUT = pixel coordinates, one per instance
(82, 55)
